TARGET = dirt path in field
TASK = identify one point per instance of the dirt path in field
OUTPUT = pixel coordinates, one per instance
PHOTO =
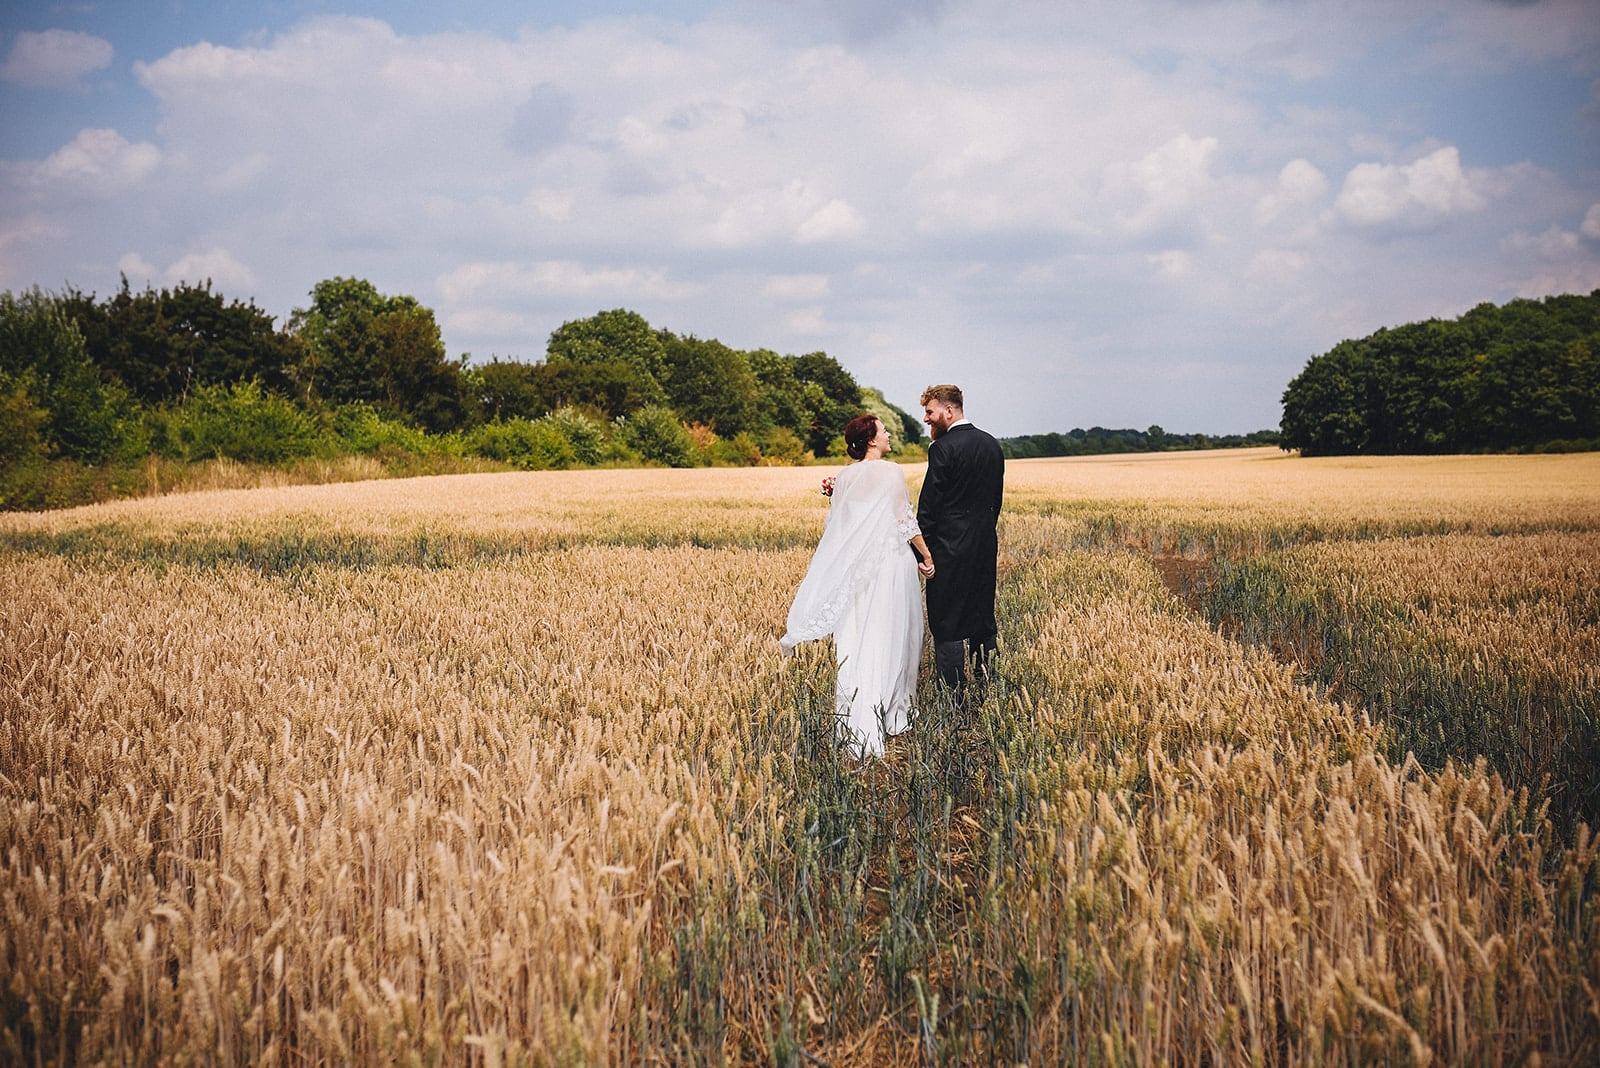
(1185, 578)
(1189, 580)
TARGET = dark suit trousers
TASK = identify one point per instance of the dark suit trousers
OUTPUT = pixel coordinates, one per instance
(950, 661)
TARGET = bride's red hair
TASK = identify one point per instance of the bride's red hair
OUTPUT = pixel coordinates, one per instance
(858, 434)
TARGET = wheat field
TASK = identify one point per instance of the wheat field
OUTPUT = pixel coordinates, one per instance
(1287, 762)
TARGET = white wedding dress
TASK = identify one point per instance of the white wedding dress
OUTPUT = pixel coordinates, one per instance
(862, 588)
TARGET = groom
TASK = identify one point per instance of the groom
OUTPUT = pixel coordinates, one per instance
(957, 511)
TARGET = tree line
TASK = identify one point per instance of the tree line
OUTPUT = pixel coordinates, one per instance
(1098, 440)
(186, 375)
(1521, 376)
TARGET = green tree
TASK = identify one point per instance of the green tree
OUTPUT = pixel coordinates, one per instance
(1414, 395)
(831, 396)
(360, 429)
(612, 387)
(1536, 378)
(709, 383)
(906, 429)
(1515, 376)
(1322, 409)
(362, 346)
(782, 445)
(616, 336)
(504, 389)
(508, 389)
(781, 397)
(42, 354)
(161, 344)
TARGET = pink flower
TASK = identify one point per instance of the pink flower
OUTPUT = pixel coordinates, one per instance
(827, 486)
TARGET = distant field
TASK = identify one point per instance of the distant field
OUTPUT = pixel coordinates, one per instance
(1292, 761)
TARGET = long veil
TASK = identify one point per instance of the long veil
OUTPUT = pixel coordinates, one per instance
(869, 517)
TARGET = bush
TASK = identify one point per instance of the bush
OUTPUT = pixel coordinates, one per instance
(618, 453)
(531, 444)
(911, 453)
(780, 445)
(22, 424)
(41, 484)
(741, 450)
(703, 441)
(655, 433)
(1568, 445)
(240, 422)
(586, 435)
(360, 428)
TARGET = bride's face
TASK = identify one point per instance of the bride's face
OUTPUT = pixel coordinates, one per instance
(882, 439)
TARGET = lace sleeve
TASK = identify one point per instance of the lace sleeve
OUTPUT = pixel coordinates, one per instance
(906, 522)
(905, 518)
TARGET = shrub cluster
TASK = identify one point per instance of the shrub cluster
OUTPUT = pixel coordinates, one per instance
(92, 392)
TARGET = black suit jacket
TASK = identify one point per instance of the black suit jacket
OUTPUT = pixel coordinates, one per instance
(957, 511)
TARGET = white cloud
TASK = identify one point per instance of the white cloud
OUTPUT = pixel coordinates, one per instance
(138, 270)
(796, 287)
(97, 162)
(55, 59)
(1173, 263)
(1163, 185)
(554, 278)
(1556, 260)
(1591, 223)
(833, 221)
(26, 230)
(1492, 36)
(493, 322)
(807, 322)
(1417, 194)
(1300, 187)
(1579, 276)
(1555, 243)
(217, 265)
(16, 237)
(509, 303)
(796, 211)
(241, 174)
(1274, 264)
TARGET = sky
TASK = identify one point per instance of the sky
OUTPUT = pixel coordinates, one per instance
(1106, 212)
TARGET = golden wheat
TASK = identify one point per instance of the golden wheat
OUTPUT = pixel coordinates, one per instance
(364, 813)
(1265, 882)
(1251, 500)
(506, 769)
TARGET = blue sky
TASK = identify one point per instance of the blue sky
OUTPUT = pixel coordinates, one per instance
(1114, 213)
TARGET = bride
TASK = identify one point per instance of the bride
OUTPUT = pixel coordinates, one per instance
(862, 589)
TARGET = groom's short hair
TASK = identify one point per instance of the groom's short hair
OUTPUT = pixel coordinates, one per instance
(944, 394)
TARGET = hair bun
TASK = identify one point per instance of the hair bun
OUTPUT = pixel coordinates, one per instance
(858, 434)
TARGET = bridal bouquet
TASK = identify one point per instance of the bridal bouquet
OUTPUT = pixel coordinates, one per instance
(827, 486)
